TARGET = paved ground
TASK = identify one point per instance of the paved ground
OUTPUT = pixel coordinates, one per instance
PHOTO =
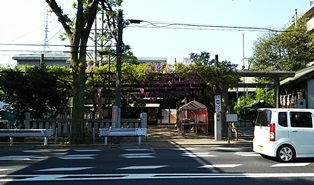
(167, 135)
(158, 136)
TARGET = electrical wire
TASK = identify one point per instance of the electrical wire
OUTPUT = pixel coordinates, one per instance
(185, 26)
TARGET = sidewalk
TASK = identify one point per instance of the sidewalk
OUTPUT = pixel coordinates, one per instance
(166, 136)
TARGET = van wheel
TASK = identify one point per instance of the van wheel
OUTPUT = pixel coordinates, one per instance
(285, 153)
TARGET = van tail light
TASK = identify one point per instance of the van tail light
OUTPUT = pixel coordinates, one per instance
(272, 134)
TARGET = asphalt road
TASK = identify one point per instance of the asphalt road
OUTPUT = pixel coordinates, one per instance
(149, 165)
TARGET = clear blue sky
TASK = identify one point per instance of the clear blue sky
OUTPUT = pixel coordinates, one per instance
(23, 22)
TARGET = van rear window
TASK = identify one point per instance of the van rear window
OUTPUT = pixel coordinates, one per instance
(263, 118)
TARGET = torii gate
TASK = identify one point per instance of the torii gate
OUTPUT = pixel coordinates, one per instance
(273, 74)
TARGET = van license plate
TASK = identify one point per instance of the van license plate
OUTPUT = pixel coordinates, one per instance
(260, 148)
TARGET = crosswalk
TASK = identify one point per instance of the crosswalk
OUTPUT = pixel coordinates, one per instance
(136, 153)
(141, 163)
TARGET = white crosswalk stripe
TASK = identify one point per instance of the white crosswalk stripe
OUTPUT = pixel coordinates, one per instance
(64, 169)
(197, 154)
(290, 165)
(221, 166)
(142, 167)
(88, 150)
(17, 158)
(36, 151)
(76, 157)
(138, 155)
(247, 154)
(136, 149)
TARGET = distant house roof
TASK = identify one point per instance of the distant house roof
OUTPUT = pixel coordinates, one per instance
(152, 59)
(300, 75)
(36, 56)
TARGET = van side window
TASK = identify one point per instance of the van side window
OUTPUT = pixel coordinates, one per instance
(282, 119)
(263, 118)
(301, 119)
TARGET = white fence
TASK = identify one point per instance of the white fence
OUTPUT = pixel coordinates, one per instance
(63, 125)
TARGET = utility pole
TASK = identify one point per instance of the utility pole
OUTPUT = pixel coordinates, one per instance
(218, 103)
(116, 113)
(295, 17)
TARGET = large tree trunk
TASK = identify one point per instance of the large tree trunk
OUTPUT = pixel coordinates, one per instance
(78, 60)
(78, 36)
(77, 130)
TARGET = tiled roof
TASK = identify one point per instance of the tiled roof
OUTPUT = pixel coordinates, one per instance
(298, 74)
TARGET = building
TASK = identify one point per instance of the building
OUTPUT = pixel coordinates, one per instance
(50, 59)
(63, 59)
(298, 91)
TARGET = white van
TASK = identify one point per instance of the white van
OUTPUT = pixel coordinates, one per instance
(284, 133)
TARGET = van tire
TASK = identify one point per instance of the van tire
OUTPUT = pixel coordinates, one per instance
(285, 153)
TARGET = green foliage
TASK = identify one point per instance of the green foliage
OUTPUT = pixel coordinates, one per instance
(290, 50)
(266, 95)
(37, 90)
(261, 94)
(242, 101)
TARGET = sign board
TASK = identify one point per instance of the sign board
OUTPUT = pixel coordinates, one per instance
(115, 112)
(232, 117)
(217, 103)
(217, 126)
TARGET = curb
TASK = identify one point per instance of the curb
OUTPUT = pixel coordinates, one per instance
(171, 143)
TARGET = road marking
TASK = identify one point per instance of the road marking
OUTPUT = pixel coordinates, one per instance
(97, 177)
(64, 169)
(138, 155)
(75, 157)
(89, 150)
(185, 149)
(17, 158)
(137, 149)
(221, 166)
(247, 154)
(3, 169)
(142, 167)
(198, 154)
(36, 151)
(233, 148)
(289, 164)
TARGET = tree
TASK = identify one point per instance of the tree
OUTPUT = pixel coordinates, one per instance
(290, 50)
(42, 91)
(77, 31)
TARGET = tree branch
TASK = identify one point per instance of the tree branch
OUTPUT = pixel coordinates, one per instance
(111, 25)
(91, 14)
(62, 18)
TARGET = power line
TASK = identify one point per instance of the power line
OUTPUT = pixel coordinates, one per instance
(41, 45)
(185, 26)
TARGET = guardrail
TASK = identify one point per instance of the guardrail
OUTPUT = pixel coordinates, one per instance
(11, 133)
(122, 132)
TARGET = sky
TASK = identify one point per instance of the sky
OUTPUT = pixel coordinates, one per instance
(23, 27)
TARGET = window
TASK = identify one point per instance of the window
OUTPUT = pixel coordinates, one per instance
(301, 119)
(282, 119)
(263, 118)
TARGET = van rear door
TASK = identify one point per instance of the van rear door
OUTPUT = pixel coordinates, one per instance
(262, 130)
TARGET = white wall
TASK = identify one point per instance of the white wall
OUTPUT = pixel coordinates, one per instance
(310, 94)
